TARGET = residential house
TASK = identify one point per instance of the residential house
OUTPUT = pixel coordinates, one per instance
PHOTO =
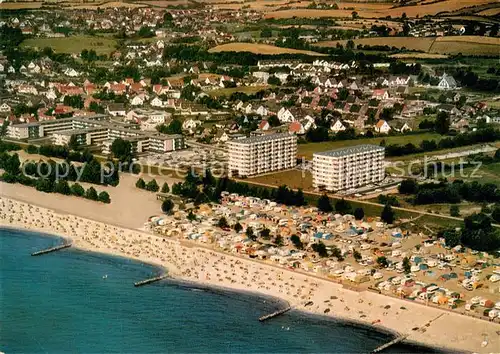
(296, 128)
(116, 109)
(338, 126)
(447, 82)
(382, 127)
(380, 94)
(400, 126)
(264, 125)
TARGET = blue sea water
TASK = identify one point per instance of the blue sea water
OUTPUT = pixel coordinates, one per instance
(60, 303)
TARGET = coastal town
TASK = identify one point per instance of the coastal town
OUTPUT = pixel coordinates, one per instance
(343, 157)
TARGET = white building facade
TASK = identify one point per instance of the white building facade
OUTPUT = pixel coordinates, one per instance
(261, 154)
(349, 167)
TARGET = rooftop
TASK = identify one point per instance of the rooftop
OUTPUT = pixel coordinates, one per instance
(262, 138)
(350, 150)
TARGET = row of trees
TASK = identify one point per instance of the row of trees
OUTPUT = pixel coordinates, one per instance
(445, 192)
(48, 184)
(152, 186)
(479, 136)
(61, 152)
(477, 233)
(343, 207)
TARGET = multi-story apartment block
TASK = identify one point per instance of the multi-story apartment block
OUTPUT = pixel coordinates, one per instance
(96, 130)
(349, 167)
(261, 154)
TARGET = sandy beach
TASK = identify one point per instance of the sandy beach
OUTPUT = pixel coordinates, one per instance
(188, 261)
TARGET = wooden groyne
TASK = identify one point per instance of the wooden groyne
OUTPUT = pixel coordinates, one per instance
(150, 280)
(392, 342)
(274, 314)
(52, 249)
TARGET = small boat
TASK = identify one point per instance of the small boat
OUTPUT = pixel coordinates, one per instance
(105, 276)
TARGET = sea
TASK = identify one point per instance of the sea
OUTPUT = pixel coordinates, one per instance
(72, 301)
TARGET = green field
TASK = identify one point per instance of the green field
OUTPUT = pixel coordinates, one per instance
(307, 150)
(74, 44)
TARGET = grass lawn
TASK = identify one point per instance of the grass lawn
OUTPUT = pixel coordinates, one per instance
(245, 89)
(292, 178)
(307, 150)
(74, 44)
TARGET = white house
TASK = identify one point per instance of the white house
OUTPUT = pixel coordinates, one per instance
(382, 127)
(285, 116)
(447, 82)
(137, 101)
(156, 102)
(190, 124)
(4, 108)
(338, 126)
(262, 111)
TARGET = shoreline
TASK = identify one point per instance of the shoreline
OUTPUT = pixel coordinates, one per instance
(320, 292)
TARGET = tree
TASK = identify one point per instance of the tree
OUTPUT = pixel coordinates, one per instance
(167, 205)
(451, 238)
(337, 253)
(237, 227)
(354, 15)
(266, 33)
(495, 214)
(359, 213)
(121, 149)
(343, 207)
(350, 44)
(278, 241)
(408, 186)
(320, 248)
(103, 197)
(165, 188)
(175, 127)
(167, 18)
(77, 190)
(191, 216)
(387, 215)
(250, 234)
(265, 233)
(62, 187)
(454, 210)
(152, 186)
(91, 194)
(297, 242)
(406, 265)
(73, 143)
(222, 223)
(442, 124)
(356, 255)
(324, 204)
(140, 184)
(273, 80)
(382, 262)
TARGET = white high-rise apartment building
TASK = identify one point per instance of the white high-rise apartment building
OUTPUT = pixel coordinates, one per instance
(348, 167)
(261, 154)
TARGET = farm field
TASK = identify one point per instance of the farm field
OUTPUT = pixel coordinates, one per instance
(466, 45)
(432, 45)
(413, 55)
(377, 10)
(258, 49)
(104, 5)
(412, 43)
(20, 5)
(164, 3)
(307, 150)
(489, 12)
(73, 44)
